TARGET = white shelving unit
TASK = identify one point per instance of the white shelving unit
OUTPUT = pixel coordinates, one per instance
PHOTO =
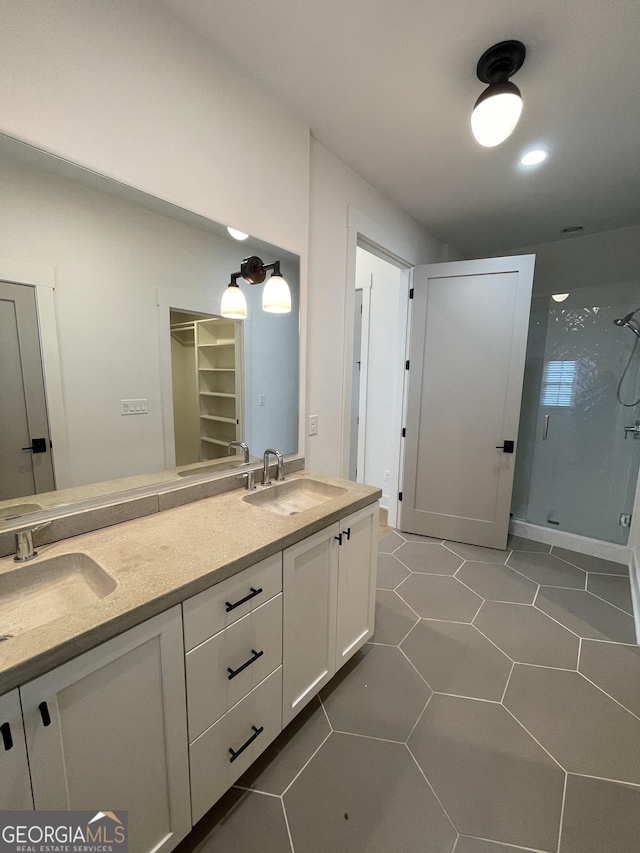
(219, 382)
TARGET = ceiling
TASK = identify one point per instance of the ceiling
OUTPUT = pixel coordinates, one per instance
(388, 86)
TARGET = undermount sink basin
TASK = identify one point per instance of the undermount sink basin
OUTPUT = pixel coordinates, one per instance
(293, 496)
(16, 510)
(33, 594)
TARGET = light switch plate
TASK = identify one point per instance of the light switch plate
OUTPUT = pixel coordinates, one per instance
(135, 407)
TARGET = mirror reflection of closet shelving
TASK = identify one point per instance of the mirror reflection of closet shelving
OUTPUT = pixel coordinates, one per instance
(208, 414)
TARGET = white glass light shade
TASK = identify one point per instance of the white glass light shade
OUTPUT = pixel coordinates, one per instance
(559, 297)
(237, 235)
(233, 305)
(496, 114)
(276, 296)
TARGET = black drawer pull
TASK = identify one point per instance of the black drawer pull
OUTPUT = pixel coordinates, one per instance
(251, 595)
(7, 740)
(234, 672)
(347, 533)
(44, 713)
(237, 754)
(339, 538)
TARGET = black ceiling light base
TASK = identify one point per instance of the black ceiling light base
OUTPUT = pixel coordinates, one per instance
(501, 61)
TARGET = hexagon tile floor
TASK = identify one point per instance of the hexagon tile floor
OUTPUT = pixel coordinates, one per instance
(496, 710)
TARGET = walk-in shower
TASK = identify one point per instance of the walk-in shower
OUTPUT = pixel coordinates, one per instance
(578, 456)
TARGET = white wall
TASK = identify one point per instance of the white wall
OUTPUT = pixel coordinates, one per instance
(384, 370)
(125, 88)
(334, 189)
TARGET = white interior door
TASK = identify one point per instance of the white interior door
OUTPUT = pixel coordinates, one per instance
(468, 341)
(25, 449)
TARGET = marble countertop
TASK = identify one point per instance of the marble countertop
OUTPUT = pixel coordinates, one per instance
(161, 560)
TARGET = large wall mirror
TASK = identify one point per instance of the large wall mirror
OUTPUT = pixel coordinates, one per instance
(116, 370)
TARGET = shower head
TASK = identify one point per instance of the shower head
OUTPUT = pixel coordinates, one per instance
(630, 322)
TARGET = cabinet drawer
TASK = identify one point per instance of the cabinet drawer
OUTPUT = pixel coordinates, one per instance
(251, 647)
(212, 610)
(247, 729)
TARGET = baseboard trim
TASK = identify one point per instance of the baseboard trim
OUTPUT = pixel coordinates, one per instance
(572, 541)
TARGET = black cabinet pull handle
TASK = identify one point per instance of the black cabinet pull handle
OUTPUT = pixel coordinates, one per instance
(251, 595)
(237, 754)
(347, 533)
(44, 713)
(339, 538)
(234, 672)
(7, 740)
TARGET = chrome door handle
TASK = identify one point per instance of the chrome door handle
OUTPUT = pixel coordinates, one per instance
(545, 428)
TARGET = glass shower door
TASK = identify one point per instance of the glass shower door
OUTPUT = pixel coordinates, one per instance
(584, 471)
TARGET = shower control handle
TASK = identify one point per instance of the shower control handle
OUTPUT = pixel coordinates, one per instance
(506, 446)
(634, 430)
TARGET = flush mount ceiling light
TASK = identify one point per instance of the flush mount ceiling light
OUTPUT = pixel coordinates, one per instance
(534, 157)
(237, 235)
(559, 297)
(498, 108)
(276, 297)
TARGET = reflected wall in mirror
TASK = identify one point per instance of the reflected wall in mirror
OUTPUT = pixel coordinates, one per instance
(108, 267)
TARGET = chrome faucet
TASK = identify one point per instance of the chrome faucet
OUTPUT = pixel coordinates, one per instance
(243, 446)
(24, 542)
(265, 466)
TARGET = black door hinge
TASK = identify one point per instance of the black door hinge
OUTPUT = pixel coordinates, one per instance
(411, 294)
(404, 432)
(399, 496)
(406, 366)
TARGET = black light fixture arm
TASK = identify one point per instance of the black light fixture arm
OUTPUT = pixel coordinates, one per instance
(254, 271)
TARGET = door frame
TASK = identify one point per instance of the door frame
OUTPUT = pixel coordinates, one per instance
(42, 278)
(375, 238)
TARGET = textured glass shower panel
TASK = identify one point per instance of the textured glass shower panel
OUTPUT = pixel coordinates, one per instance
(583, 471)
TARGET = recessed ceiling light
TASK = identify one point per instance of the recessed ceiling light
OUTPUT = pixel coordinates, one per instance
(237, 235)
(532, 158)
(559, 297)
(572, 228)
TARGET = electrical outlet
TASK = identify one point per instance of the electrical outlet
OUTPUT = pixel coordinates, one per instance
(135, 407)
(261, 399)
(313, 424)
(387, 476)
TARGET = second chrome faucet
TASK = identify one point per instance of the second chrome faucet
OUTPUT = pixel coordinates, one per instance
(265, 466)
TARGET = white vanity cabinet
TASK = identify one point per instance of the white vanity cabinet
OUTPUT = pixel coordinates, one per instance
(15, 785)
(357, 563)
(108, 730)
(329, 604)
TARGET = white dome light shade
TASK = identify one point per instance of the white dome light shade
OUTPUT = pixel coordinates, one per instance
(237, 235)
(276, 296)
(559, 297)
(233, 305)
(496, 114)
(532, 158)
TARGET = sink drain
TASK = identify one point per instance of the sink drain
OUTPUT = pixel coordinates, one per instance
(4, 637)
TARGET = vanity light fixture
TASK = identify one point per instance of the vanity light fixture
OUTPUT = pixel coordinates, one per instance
(498, 108)
(237, 235)
(276, 296)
